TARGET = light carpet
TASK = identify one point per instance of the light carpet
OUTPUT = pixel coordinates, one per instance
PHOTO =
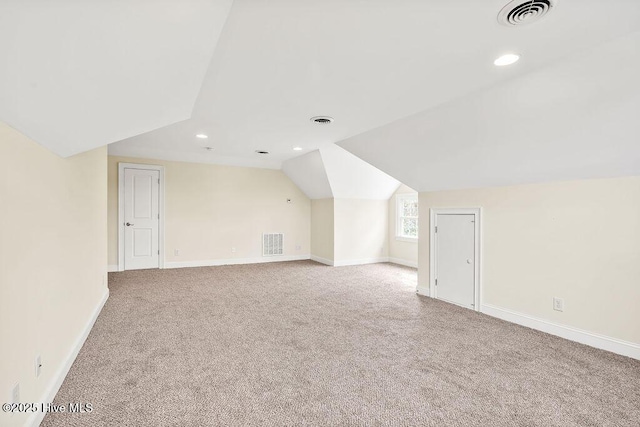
(299, 343)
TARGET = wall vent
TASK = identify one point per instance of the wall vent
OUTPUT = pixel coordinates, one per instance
(272, 244)
(521, 12)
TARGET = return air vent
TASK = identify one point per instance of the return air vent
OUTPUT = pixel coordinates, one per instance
(521, 12)
(272, 244)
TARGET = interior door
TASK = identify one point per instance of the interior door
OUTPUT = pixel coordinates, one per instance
(141, 218)
(455, 255)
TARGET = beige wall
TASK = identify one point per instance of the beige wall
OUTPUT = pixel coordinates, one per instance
(211, 209)
(575, 240)
(402, 251)
(52, 259)
(361, 230)
(322, 226)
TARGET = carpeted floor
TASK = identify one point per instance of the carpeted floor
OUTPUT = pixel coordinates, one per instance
(299, 343)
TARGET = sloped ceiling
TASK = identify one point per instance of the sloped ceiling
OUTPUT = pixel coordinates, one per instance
(333, 172)
(411, 85)
(575, 119)
(75, 75)
(309, 174)
(366, 63)
(352, 178)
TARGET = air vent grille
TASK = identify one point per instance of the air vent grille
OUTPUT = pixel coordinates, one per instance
(272, 244)
(322, 120)
(521, 12)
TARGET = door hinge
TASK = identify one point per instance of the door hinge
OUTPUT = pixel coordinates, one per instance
(436, 228)
(436, 282)
(158, 216)
(158, 180)
(158, 251)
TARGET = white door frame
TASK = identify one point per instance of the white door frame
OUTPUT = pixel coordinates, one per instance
(121, 168)
(477, 282)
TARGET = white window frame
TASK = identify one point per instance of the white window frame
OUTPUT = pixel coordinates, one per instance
(400, 198)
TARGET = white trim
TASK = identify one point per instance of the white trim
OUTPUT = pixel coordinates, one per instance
(121, 167)
(322, 260)
(360, 261)
(58, 378)
(603, 342)
(407, 239)
(399, 198)
(422, 291)
(477, 212)
(404, 262)
(112, 268)
(236, 261)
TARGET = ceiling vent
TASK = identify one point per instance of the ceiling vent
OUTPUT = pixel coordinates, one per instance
(522, 12)
(322, 120)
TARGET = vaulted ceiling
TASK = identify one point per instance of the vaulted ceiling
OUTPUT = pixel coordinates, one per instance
(75, 75)
(411, 85)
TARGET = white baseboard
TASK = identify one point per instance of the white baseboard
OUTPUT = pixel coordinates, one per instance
(404, 262)
(613, 345)
(322, 260)
(360, 261)
(235, 261)
(112, 268)
(422, 291)
(50, 392)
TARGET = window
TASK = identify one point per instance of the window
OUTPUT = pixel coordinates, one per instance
(407, 216)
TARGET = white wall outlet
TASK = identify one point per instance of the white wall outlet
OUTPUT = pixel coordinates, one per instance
(15, 394)
(233, 250)
(558, 304)
(38, 365)
(298, 247)
(176, 252)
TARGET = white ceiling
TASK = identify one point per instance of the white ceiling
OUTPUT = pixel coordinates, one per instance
(333, 172)
(367, 64)
(100, 72)
(309, 174)
(575, 119)
(75, 75)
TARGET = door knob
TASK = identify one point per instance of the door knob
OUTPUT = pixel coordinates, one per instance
(128, 224)
(469, 261)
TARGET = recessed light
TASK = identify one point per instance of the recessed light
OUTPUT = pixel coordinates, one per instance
(297, 148)
(202, 136)
(262, 152)
(322, 120)
(508, 59)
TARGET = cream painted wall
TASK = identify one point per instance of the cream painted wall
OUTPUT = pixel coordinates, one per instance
(401, 250)
(361, 230)
(211, 209)
(577, 240)
(322, 226)
(53, 249)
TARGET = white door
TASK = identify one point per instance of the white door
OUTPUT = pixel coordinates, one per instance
(455, 255)
(141, 218)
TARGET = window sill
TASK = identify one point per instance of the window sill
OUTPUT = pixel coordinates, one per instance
(407, 239)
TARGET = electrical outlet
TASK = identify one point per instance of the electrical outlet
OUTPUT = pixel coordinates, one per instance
(558, 304)
(38, 365)
(298, 247)
(176, 252)
(233, 250)
(15, 394)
